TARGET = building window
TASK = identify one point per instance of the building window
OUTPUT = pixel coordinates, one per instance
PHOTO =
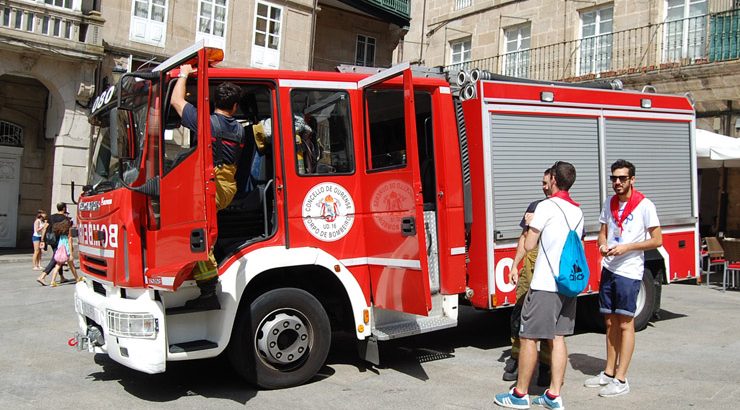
(461, 4)
(67, 4)
(460, 52)
(267, 26)
(29, 21)
(149, 22)
(685, 29)
(212, 22)
(596, 41)
(11, 134)
(516, 55)
(365, 52)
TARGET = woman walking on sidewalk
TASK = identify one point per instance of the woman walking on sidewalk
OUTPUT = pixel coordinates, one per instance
(38, 228)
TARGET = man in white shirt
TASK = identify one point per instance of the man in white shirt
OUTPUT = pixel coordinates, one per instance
(629, 226)
(546, 314)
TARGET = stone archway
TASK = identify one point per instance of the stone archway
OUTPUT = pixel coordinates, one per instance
(26, 157)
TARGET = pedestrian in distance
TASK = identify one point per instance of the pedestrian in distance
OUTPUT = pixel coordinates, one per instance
(48, 238)
(38, 229)
(522, 278)
(629, 226)
(546, 313)
(61, 255)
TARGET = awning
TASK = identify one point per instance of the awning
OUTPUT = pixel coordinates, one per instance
(715, 150)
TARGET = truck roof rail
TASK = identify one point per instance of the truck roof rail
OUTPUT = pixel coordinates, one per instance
(477, 74)
(417, 70)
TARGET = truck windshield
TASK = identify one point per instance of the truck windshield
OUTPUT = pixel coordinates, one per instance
(117, 134)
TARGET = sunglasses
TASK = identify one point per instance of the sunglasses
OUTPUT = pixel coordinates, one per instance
(621, 178)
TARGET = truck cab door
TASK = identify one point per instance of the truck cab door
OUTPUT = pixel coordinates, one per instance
(182, 218)
(396, 242)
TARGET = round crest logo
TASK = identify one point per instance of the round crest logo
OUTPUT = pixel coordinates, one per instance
(328, 211)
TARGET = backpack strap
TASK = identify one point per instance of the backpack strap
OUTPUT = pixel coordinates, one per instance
(569, 229)
(217, 131)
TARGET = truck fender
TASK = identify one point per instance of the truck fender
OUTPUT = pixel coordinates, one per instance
(243, 270)
(666, 261)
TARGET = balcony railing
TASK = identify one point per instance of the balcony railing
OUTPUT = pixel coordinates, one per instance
(27, 23)
(698, 40)
(398, 7)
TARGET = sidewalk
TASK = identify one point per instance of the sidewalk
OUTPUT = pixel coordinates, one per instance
(20, 255)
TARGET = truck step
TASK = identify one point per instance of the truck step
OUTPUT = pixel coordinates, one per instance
(193, 346)
(413, 327)
(180, 310)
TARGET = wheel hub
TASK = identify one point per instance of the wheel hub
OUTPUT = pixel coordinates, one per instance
(284, 339)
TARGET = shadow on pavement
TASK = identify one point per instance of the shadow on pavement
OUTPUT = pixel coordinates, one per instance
(663, 315)
(211, 378)
(480, 329)
(588, 365)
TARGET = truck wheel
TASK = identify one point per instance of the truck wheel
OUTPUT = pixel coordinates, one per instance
(283, 339)
(645, 301)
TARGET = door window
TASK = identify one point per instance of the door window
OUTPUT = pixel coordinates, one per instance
(322, 129)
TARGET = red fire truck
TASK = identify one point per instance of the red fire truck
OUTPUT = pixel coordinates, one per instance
(390, 205)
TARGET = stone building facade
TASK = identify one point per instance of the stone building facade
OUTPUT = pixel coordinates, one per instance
(291, 35)
(49, 51)
(675, 46)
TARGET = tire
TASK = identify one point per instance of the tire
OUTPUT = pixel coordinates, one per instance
(281, 340)
(646, 301)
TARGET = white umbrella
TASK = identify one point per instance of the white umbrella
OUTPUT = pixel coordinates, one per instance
(715, 150)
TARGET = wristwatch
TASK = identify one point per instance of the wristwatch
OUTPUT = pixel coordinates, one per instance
(182, 75)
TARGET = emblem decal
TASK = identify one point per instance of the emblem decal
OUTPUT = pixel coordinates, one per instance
(328, 211)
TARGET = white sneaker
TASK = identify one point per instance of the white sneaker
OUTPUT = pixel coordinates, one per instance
(600, 380)
(615, 388)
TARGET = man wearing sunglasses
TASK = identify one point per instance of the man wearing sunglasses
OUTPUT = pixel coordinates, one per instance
(629, 226)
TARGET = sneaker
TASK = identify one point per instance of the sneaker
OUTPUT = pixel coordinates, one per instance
(598, 381)
(511, 401)
(615, 388)
(548, 403)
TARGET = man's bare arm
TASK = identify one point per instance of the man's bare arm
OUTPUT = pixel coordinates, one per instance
(533, 236)
(178, 94)
(655, 241)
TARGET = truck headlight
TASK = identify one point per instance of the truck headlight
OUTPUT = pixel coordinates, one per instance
(135, 325)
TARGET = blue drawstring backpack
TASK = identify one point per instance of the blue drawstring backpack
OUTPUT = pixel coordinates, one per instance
(573, 277)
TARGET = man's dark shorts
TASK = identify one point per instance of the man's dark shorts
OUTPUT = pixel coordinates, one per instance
(617, 294)
(546, 315)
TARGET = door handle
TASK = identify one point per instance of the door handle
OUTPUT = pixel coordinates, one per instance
(197, 240)
(408, 226)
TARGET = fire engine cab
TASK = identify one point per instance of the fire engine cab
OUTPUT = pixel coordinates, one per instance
(373, 204)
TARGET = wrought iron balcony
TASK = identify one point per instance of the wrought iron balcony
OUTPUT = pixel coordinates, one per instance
(692, 41)
(57, 30)
(394, 11)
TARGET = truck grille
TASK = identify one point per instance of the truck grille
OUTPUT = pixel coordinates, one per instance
(94, 265)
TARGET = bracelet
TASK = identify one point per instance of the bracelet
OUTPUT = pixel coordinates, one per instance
(182, 75)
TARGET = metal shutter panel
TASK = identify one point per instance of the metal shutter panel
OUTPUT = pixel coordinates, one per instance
(661, 153)
(523, 146)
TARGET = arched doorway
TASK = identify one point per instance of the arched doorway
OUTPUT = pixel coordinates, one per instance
(26, 157)
(11, 150)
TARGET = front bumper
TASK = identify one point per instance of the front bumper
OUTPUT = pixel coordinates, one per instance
(146, 352)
